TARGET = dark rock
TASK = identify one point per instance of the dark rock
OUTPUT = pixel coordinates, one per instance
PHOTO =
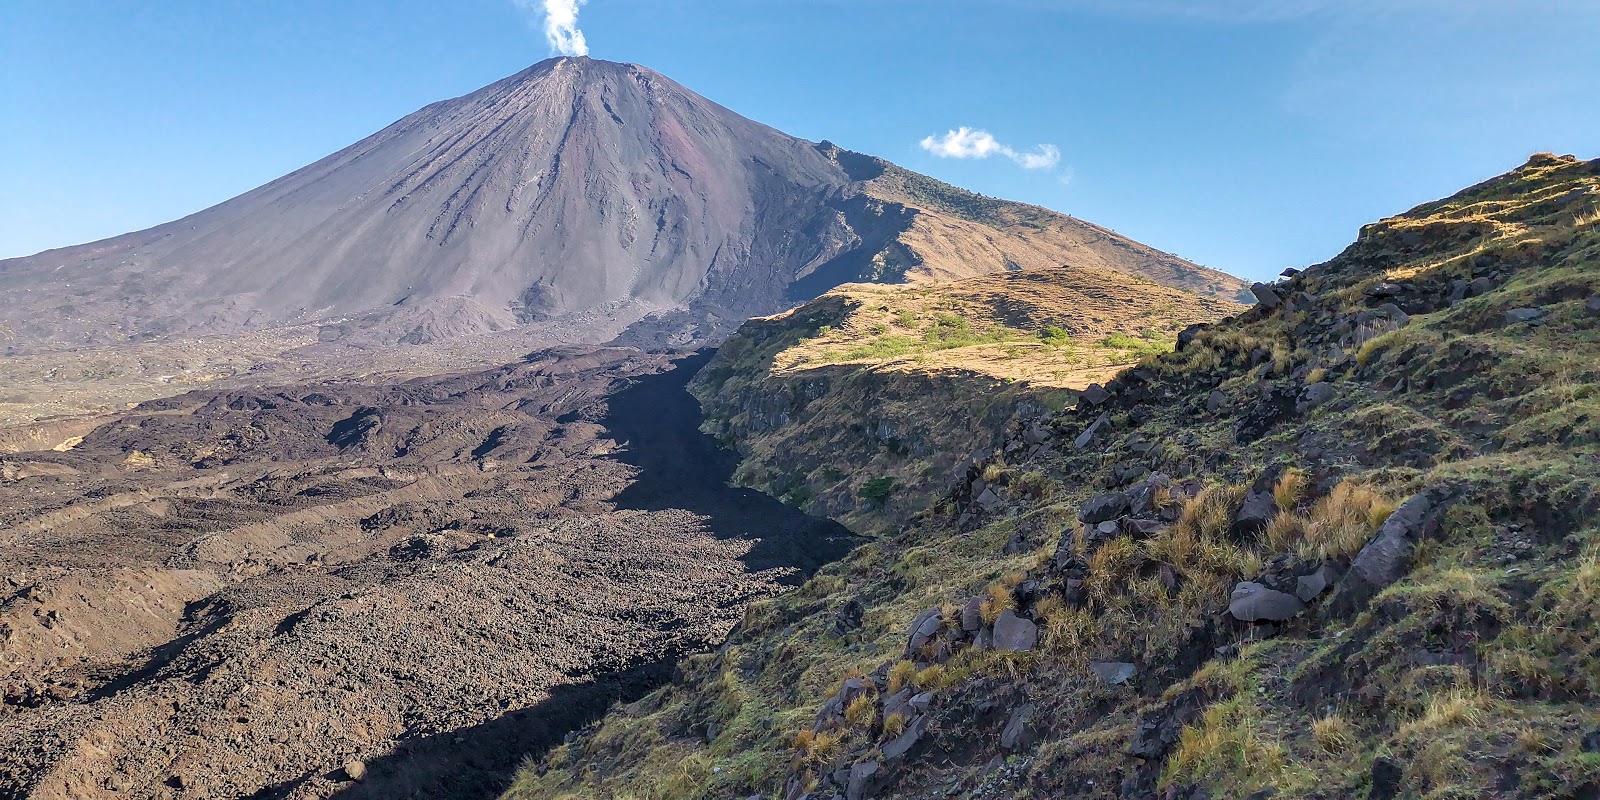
(988, 500)
(1019, 733)
(1260, 503)
(1307, 587)
(923, 629)
(1114, 673)
(1479, 287)
(972, 615)
(1458, 291)
(1264, 794)
(900, 747)
(1187, 336)
(1216, 401)
(1142, 498)
(1387, 556)
(848, 617)
(1014, 634)
(1094, 394)
(1290, 272)
(1252, 602)
(922, 702)
(1518, 315)
(1095, 430)
(898, 703)
(1384, 290)
(1386, 778)
(1105, 507)
(866, 779)
(1276, 405)
(1593, 306)
(1266, 295)
(1139, 528)
(1395, 314)
(1591, 741)
(1315, 395)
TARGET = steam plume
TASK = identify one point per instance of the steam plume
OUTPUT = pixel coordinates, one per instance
(560, 24)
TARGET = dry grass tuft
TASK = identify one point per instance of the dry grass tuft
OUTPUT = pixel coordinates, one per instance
(1334, 734)
(1290, 490)
(1341, 523)
(903, 672)
(862, 711)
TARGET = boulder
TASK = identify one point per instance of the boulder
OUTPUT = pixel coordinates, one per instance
(972, 615)
(355, 770)
(1019, 733)
(1593, 306)
(1267, 296)
(1315, 395)
(866, 780)
(922, 702)
(1386, 558)
(1308, 587)
(1014, 634)
(1105, 508)
(988, 500)
(1252, 602)
(1114, 673)
(1092, 433)
(922, 630)
(1216, 401)
(1260, 503)
(1384, 290)
(1142, 498)
(1386, 777)
(898, 703)
(1094, 394)
(1519, 315)
(898, 748)
(1187, 336)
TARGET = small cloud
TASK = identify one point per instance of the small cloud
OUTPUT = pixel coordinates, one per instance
(967, 142)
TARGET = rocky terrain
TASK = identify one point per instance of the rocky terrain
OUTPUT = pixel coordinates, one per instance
(579, 201)
(1344, 544)
(368, 590)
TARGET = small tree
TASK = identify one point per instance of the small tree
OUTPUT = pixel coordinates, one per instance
(877, 490)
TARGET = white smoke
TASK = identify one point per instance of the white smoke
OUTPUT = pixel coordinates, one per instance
(560, 24)
(974, 143)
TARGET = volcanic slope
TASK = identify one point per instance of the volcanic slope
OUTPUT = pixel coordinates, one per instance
(562, 204)
(1345, 544)
(235, 594)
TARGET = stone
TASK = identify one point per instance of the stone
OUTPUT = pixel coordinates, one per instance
(1019, 733)
(1252, 602)
(1142, 498)
(355, 770)
(923, 629)
(988, 500)
(1216, 401)
(1591, 741)
(922, 702)
(1093, 432)
(1114, 673)
(1187, 336)
(1307, 587)
(1458, 291)
(1593, 306)
(898, 748)
(1014, 634)
(865, 780)
(1315, 395)
(972, 615)
(1479, 287)
(1385, 779)
(1267, 296)
(1105, 507)
(897, 703)
(1395, 314)
(1094, 394)
(1260, 503)
(1519, 315)
(1289, 272)
(1386, 558)
(1384, 290)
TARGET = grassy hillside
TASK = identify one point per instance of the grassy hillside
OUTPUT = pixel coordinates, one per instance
(866, 403)
(1343, 545)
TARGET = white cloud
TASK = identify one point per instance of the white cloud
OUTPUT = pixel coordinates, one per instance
(967, 142)
(560, 24)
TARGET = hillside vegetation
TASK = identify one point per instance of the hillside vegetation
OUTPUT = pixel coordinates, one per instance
(1342, 545)
(867, 402)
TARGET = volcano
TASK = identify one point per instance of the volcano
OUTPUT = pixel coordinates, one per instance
(579, 200)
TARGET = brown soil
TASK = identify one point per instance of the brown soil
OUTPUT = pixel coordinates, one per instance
(232, 594)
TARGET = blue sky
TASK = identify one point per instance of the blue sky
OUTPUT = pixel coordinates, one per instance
(1248, 135)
